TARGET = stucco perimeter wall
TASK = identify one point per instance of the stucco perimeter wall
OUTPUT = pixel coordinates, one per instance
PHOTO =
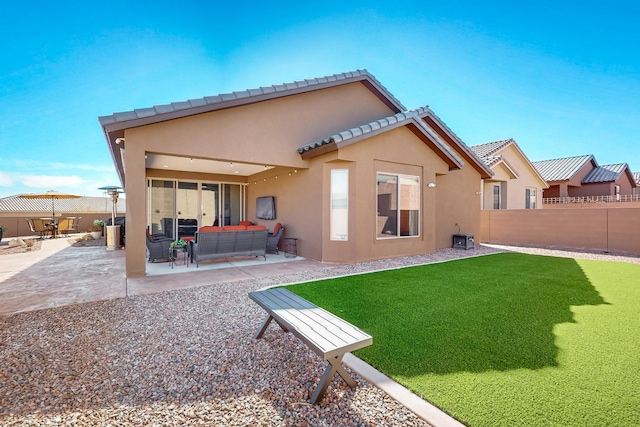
(607, 230)
(17, 225)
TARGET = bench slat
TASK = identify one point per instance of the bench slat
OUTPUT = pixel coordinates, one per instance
(295, 305)
(323, 332)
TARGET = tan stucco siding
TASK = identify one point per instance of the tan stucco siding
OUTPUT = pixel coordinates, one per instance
(263, 133)
(519, 177)
(298, 205)
(399, 152)
(266, 133)
(458, 202)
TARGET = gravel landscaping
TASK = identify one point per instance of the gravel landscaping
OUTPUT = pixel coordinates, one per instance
(183, 357)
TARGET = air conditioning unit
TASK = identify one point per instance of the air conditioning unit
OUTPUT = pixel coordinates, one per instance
(463, 241)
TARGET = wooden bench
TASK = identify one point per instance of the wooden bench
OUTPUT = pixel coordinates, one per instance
(326, 334)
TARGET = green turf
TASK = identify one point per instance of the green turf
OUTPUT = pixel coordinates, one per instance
(503, 340)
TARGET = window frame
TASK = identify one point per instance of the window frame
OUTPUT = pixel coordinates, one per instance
(399, 225)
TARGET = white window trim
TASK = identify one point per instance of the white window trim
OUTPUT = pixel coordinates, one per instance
(399, 175)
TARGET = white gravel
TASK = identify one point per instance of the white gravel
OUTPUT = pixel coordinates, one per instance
(180, 358)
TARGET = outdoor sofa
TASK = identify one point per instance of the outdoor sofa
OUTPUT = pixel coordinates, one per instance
(230, 241)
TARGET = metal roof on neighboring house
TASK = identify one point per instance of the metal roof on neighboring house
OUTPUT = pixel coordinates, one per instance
(636, 177)
(606, 173)
(383, 125)
(562, 169)
(62, 206)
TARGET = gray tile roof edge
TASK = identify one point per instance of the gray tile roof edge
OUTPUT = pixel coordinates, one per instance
(426, 111)
(383, 125)
(500, 145)
(492, 147)
(210, 103)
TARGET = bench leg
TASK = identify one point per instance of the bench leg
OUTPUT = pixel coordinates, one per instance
(264, 326)
(335, 365)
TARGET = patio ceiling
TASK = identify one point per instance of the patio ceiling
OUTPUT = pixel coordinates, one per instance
(161, 161)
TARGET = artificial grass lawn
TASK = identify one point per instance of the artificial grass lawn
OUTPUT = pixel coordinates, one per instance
(503, 340)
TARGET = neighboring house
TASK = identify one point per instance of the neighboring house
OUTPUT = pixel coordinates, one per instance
(14, 210)
(515, 183)
(355, 175)
(636, 178)
(582, 177)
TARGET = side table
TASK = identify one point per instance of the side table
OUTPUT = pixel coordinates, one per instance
(290, 247)
(178, 249)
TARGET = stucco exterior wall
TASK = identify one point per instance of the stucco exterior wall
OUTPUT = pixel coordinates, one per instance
(514, 189)
(398, 152)
(262, 133)
(458, 201)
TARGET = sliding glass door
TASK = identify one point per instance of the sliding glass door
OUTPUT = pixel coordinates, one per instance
(210, 204)
(187, 208)
(178, 208)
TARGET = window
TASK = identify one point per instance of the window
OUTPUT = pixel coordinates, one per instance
(530, 198)
(398, 210)
(339, 218)
(496, 197)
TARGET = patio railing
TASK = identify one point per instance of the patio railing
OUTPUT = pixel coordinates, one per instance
(591, 199)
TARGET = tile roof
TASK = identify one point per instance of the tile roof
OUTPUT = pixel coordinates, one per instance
(382, 125)
(64, 206)
(490, 148)
(208, 103)
(562, 169)
(605, 173)
(424, 112)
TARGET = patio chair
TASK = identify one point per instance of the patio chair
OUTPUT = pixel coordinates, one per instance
(73, 223)
(37, 225)
(158, 247)
(63, 226)
(274, 238)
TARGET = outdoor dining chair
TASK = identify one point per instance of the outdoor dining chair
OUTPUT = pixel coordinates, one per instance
(64, 226)
(37, 225)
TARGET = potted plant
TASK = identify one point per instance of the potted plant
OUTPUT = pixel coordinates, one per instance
(96, 229)
(179, 242)
(2, 229)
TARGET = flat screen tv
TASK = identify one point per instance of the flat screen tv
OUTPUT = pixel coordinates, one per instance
(266, 207)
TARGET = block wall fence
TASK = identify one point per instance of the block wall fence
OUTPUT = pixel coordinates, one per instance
(613, 230)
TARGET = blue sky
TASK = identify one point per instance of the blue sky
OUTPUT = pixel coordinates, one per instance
(561, 79)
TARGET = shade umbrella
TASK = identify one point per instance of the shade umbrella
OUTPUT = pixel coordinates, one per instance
(53, 195)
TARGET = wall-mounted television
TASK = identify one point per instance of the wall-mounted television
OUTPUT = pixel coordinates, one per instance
(266, 207)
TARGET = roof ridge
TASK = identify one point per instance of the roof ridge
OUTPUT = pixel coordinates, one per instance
(172, 107)
(358, 130)
(565, 158)
(376, 125)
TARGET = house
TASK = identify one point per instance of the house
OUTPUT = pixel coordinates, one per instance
(636, 190)
(516, 183)
(582, 177)
(355, 176)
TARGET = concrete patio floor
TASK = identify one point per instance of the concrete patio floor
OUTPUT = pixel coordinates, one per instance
(60, 274)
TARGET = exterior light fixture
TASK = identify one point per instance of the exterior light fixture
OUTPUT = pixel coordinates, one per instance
(431, 185)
